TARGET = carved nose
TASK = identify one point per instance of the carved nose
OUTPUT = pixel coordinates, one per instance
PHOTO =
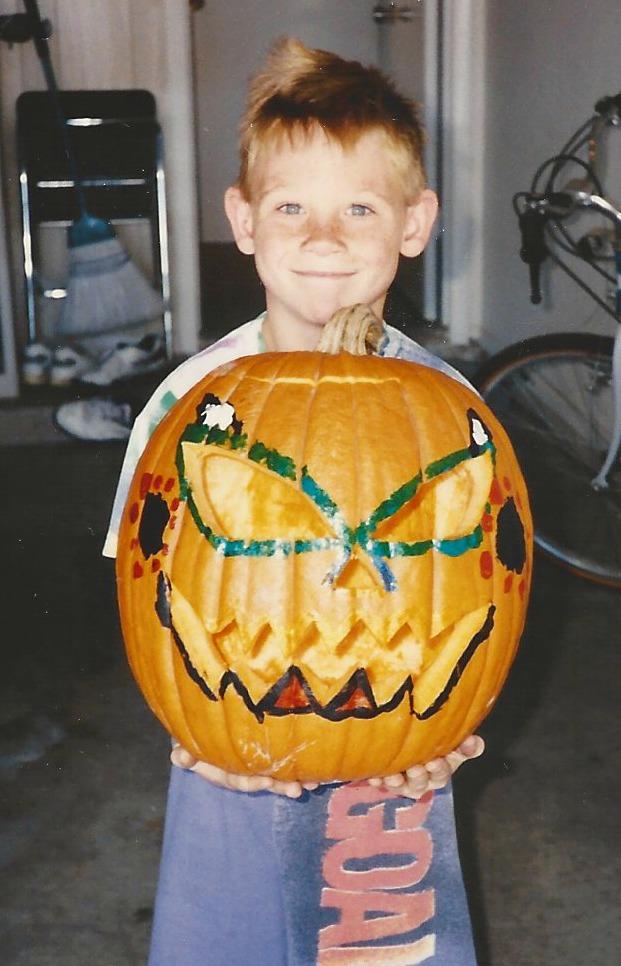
(356, 575)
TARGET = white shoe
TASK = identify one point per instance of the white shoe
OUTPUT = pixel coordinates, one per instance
(128, 359)
(36, 362)
(68, 364)
(96, 420)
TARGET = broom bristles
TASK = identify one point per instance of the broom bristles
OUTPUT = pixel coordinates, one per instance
(106, 292)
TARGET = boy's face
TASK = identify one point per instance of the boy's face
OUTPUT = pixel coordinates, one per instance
(326, 226)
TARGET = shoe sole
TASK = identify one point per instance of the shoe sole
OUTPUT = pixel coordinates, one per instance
(151, 367)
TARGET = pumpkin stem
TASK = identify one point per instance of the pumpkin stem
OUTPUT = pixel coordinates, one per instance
(354, 329)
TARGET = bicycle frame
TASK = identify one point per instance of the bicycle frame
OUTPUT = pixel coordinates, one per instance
(562, 204)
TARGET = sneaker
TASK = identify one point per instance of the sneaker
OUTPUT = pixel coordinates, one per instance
(95, 420)
(36, 362)
(68, 364)
(128, 359)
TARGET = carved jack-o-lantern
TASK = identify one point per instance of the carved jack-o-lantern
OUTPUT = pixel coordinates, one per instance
(323, 565)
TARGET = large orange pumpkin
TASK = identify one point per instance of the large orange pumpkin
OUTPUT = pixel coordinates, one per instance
(323, 566)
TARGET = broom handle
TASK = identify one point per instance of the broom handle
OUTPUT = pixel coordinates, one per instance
(43, 53)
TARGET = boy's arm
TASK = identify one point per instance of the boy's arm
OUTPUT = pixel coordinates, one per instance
(414, 783)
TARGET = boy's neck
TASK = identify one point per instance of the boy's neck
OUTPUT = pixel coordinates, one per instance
(289, 338)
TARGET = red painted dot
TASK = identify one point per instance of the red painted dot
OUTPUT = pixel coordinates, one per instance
(164, 549)
(495, 494)
(507, 483)
(172, 522)
(157, 482)
(175, 504)
(155, 565)
(137, 571)
(133, 543)
(508, 583)
(145, 483)
(487, 522)
(134, 510)
(487, 564)
(521, 589)
(170, 482)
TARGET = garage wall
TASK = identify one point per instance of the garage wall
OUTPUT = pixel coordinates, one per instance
(547, 64)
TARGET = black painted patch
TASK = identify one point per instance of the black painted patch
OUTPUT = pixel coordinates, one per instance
(155, 516)
(510, 540)
(476, 448)
(162, 600)
(210, 399)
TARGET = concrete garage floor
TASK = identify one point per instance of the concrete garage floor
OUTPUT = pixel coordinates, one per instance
(83, 764)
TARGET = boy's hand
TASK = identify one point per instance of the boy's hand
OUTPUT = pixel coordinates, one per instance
(414, 783)
(239, 783)
(420, 779)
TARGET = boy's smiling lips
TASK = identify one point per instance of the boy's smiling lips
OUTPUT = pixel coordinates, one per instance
(309, 273)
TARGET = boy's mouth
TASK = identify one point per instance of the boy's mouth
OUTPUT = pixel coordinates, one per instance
(322, 274)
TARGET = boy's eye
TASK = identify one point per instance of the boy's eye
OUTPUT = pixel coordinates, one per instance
(360, 210)
(290, 208)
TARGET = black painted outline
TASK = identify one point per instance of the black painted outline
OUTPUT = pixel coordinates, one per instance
(335, 710)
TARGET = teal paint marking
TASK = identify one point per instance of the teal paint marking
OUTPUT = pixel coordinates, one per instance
(447, 463)
(275, 461)
(454, 459)
(347, 538)
(389, 507)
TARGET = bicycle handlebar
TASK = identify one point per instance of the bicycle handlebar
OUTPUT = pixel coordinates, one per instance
(538, 210)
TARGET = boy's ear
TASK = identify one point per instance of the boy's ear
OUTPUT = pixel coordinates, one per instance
(239, 213)
(419, 221)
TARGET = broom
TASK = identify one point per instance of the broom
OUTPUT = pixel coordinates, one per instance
(105, 291)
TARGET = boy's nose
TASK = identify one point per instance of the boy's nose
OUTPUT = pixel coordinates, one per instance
(324, 236)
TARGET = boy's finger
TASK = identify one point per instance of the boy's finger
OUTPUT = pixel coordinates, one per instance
(472, 746)
(182, 758)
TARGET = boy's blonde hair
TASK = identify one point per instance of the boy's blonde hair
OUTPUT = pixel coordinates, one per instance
(300, 88)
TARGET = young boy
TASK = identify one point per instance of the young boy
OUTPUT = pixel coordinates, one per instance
(331, 190)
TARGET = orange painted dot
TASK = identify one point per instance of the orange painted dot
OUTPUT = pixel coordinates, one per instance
(164, 549)
(487, 564)
(133, 543)
(495, 493)
(507, 483)
(522, 589)
(137, 571)
(487, 522)
(508, 583)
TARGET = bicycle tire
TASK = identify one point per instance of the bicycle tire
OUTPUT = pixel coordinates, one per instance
(553, 394)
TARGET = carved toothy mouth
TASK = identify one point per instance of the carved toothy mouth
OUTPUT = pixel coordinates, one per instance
(293, 693)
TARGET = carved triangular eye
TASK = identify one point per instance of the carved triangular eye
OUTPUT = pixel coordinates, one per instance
(445, 508)
(242, 500)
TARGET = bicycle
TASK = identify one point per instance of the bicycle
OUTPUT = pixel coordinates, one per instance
(559, 395)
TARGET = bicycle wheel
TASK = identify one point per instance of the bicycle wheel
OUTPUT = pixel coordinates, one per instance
(553, 394)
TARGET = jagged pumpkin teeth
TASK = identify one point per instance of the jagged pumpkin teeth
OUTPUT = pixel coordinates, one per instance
(358, 558)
